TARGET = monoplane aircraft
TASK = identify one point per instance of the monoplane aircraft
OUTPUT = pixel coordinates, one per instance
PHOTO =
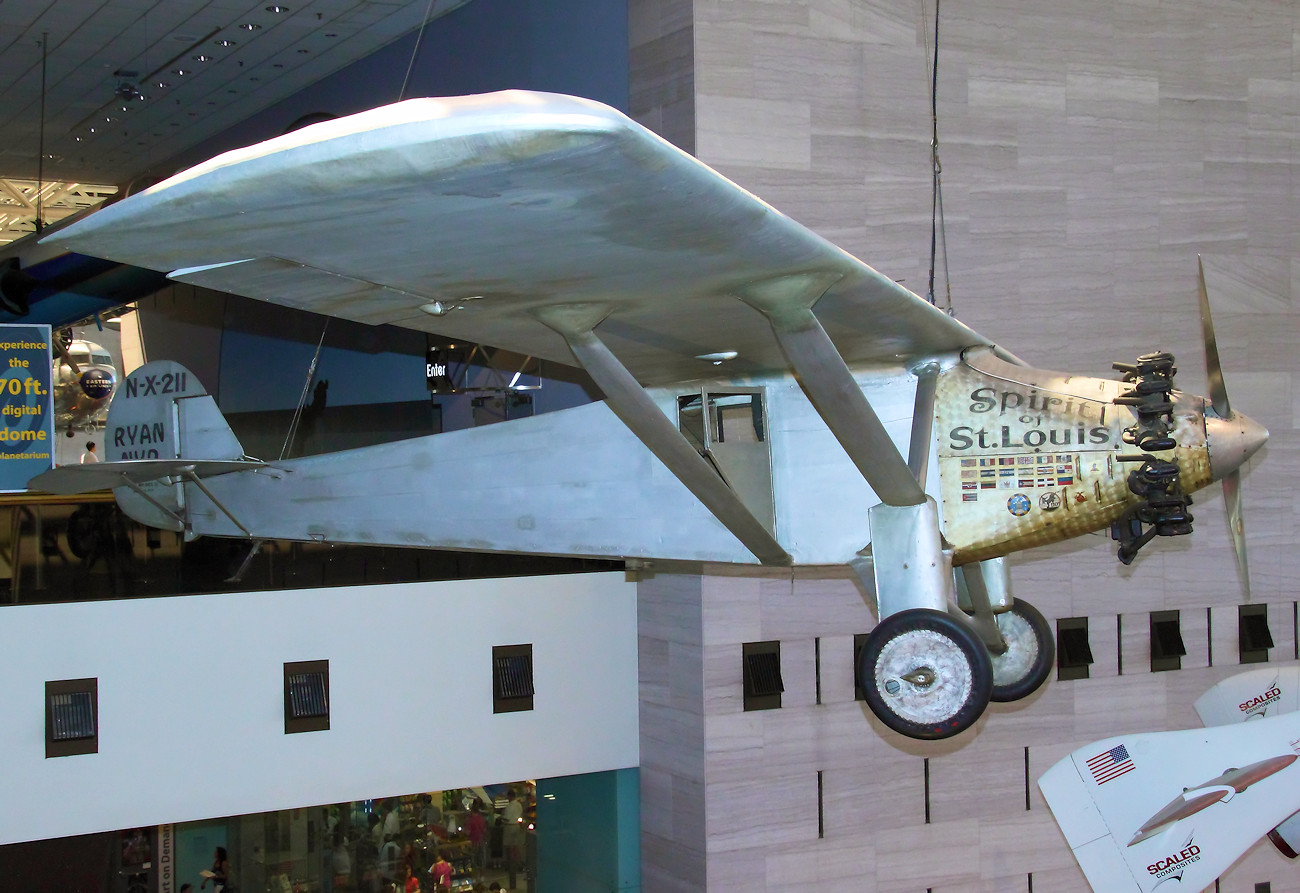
(1144, 811)
(769, 398)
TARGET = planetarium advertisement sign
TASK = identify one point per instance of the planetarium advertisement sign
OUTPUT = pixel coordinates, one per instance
(26, 405)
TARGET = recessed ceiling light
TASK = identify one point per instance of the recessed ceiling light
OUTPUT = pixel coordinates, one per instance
(251, 26)
(201, 58)
(181, 71)
(224, 43)
(162, 85)
(304, 52)
(277, 9)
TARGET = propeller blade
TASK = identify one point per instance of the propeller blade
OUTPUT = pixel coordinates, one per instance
(1213, 371)
(1232, 500)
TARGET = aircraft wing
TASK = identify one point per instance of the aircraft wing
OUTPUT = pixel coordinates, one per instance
(1133, 809)
(486, 209)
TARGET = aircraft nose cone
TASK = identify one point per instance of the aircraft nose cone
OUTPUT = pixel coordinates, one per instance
(1232, 441)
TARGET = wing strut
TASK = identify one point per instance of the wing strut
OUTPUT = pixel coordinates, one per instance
(787, 303)
(629, 401)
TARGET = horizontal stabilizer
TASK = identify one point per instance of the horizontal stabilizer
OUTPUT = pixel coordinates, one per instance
(164, 433)
(71, 479)
(1143, 810)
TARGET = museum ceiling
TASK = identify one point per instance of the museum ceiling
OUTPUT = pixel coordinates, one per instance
(108, 88)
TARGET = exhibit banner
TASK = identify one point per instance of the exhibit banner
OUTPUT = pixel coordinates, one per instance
(26, 405)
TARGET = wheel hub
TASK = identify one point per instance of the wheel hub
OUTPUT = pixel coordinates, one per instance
(924, 675)
(921, 677)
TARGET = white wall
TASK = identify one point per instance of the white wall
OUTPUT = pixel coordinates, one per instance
(191, 697)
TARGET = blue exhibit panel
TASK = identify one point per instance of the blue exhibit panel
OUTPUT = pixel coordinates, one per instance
(26, 405)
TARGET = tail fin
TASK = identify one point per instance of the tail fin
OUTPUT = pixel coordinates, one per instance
(162, 411)
(1268, 691)
(1142, 811)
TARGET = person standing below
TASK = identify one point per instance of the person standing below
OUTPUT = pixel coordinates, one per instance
(512, 832)
(220, 873)
(476, 829)
(89, 457)
(441, 872)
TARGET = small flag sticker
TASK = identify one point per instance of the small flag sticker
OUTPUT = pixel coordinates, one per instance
(1110, 764)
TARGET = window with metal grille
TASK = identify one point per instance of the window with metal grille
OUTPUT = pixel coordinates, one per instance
(512, 678)
(1073, 653)
(762, 675)
(71, 717)
(306, 696)
(1167, 647)
(1253, 635)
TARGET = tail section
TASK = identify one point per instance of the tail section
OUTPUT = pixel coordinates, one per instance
(164, 433)
(1255, 694)
(1173, 810)
(162, 411)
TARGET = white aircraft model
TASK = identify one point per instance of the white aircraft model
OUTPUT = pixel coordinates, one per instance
(768, 398)
(1145, 810)
(84, 382)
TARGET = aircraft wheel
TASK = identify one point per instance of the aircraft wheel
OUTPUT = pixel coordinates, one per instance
(1030, 654)
(925, 674)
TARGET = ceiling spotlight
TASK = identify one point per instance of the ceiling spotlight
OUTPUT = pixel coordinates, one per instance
(251, 26)
(162, 85)
(201, 58)
(224, 43)
(181, 71)
(277, 9)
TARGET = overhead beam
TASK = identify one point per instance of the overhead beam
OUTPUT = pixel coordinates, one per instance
(624, 395)
(826, 379)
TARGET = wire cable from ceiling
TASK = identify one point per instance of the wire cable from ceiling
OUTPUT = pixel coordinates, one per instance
(938, 234)
(415, 51)
(40, 141)
(302, 398)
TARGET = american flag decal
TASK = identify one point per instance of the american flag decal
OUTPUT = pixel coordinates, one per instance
(1111, 764)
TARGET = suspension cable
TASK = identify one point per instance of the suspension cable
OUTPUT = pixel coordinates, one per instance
(302, 398)
(938, 234)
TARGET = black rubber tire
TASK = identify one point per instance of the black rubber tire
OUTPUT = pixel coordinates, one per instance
(1033, 651)
(919, 711)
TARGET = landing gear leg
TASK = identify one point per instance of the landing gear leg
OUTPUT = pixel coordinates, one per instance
(925, 674)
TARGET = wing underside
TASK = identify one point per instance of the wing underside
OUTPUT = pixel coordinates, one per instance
(486, 210)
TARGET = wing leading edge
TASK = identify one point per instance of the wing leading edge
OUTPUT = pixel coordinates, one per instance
(489, 209)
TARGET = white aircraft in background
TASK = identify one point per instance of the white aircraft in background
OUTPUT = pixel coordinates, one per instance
(769, 398)
(84, 382)
(1173, 810)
